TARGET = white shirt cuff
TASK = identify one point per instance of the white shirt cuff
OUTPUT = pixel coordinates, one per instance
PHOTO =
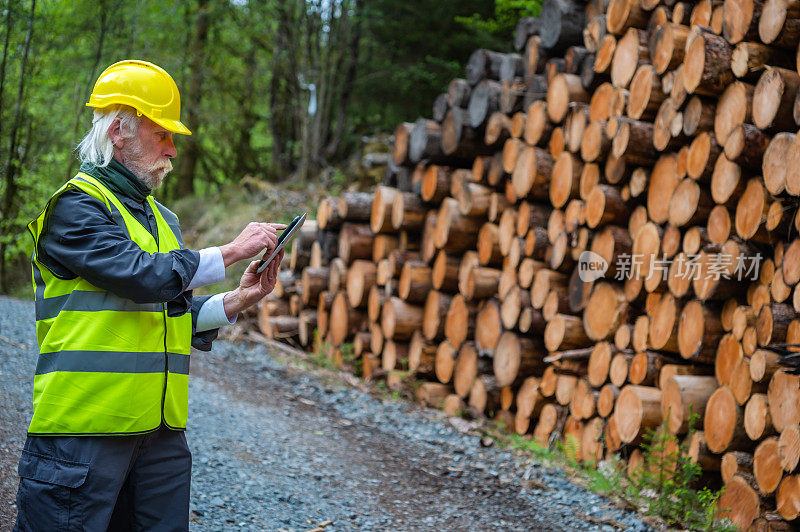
(211, 269)
(212, 314)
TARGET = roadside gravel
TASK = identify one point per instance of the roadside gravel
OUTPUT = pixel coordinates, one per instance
(280, 448)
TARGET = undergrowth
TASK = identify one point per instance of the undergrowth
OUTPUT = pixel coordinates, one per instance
(665, 485)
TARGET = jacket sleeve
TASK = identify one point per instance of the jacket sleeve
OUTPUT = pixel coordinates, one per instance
(201, 340)
(81, 239)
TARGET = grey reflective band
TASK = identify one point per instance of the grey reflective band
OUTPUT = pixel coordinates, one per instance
(111, 362)
(37, 277)
(88, 301)
(178, 363)
(115, 214)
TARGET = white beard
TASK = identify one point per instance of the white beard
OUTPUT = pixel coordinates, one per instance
(150, 176)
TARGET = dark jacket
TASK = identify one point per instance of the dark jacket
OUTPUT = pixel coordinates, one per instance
(82, 239)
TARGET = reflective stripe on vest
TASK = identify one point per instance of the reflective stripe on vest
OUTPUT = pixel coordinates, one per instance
(107, 365)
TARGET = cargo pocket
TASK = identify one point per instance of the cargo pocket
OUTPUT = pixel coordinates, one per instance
(49, 492)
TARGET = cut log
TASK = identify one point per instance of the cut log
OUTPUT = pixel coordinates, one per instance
(707, 65)
(749, 59)
(460, 320)
(562, 90)
(740, 21)
(698, 115)
(344, 320)
(355, 242)
(421, 356)
(733, 108)
(773, 99)
(565, 332)
(739, 502)
(766, 466)
(516, 356)
(624, 14)
(746, 145)
(699, 331)
(637, 409)
(399, 319)
(605, 311)
(723, 422)
(531, 172)
(407, 212)
(787, 498)
(778, 24)
(684, 396)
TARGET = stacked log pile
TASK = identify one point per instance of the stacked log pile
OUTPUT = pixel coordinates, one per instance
(661, 137)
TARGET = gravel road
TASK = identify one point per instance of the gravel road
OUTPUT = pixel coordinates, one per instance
(278, 448)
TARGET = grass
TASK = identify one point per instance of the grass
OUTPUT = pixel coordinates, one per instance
(665, 486)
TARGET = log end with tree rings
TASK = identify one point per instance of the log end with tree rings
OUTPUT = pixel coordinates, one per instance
(726, 181)
(768, 96)
(790, 266)
(565, 180)
(789, 448)
(507, 359)
(767, 468)
(663, 324)
(626, 58)
(757, 421)
(736, 19)
(637, 409)
(739, 503)
(645, 93)
(466, 369)
(684, 396)
(663, 181)
(703, 153)
(787, 498)
(446, 355)
(733, 108)
(691, 327)
(750, 209)
(607, 399)
(605, 311)
(722, 422)
(784, 400)
(684, 203)
(774, 163)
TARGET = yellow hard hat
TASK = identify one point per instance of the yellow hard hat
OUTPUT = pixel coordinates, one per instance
(146, 87)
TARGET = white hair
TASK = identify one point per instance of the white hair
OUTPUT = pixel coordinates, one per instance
(96, 147)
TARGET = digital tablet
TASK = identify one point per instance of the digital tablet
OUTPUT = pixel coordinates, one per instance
(287, 235)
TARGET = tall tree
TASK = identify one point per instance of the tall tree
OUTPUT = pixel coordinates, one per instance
(8, 208)
(193, 98)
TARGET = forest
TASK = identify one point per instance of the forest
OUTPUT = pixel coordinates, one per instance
(274, 89)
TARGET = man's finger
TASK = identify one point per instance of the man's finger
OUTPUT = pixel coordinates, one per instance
(277, 227)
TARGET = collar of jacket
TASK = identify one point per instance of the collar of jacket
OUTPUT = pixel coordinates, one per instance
(119, 179)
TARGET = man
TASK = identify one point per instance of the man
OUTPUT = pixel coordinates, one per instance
(115, 319)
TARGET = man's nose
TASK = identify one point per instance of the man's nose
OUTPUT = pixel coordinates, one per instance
(169, 149)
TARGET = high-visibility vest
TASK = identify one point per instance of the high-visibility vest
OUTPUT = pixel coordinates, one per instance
(107, 365)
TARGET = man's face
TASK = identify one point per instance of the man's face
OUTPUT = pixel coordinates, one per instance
(148, 152)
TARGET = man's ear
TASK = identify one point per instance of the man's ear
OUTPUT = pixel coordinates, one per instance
(115, 133)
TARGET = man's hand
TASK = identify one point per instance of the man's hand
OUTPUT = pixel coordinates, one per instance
(253, 239)
(252, 287)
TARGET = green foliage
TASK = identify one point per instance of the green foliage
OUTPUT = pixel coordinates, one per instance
(238, 66)
(663, 486)
(505, 17)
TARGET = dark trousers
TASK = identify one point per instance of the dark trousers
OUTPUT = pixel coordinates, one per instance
(99, 483)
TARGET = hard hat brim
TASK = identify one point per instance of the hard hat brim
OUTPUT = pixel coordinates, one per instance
(175, 126)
